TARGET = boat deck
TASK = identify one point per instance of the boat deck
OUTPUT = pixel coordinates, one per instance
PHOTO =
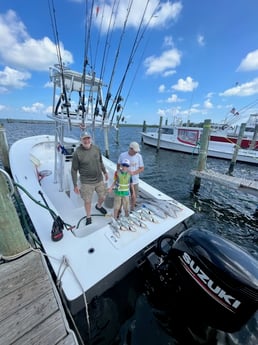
(30, 308)
(89, 259)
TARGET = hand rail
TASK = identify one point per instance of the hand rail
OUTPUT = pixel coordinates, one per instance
(11, 186)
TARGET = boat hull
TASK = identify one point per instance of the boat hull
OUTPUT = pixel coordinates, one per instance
(88, 260)
(220, 150)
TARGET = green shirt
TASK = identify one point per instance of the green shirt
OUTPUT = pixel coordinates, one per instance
(89, 164)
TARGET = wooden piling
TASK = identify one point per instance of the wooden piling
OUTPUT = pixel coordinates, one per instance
(144, 126)
(254, 139)
(4, 149)
(237, 146)
(12, 238)
(204, 144)
(159, 133)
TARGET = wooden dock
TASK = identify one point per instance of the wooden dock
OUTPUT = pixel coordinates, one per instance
(31, 311)
(241, 184)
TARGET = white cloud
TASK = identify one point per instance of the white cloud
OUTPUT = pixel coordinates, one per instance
(164, 63)
(155, 13)
(35, 108)
(162, 88)
(250, 62)
(168, 41)
(12, 78)
(18, 49)
(200, 40)
(186, 85)
(174, 99)
(161, 112)
(246, 89)
(207, 104)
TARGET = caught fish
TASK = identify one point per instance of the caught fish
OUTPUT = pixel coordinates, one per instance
(157, 211)
(137, 221)
(175, 204)
(115, 227)
(129, 224)
(138, 215)
(169, 209)
(122, 226)
(148, 214)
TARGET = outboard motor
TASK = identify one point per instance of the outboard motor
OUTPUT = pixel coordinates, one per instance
(205, 280)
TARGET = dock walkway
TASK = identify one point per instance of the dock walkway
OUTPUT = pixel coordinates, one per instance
(241, 184)
(31, 311)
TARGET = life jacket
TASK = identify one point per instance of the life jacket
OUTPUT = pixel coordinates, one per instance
(123, 182)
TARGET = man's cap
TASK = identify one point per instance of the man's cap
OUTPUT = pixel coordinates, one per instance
(126, 163)
(85, 135)
(135, 146)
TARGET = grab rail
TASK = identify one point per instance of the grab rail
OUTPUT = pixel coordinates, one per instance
(11, 186)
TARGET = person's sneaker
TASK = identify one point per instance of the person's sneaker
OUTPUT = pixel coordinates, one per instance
(88, 221)
(101, 209)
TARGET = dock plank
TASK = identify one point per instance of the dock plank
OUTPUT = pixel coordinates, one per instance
(30, 312)
(241, 184)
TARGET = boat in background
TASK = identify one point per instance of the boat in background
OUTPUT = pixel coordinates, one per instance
(187, 140)
(229, 131)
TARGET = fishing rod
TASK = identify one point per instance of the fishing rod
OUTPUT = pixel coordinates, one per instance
(85, 62)
(137, 40)
(108, 35)
(108, 97)
(59, 57)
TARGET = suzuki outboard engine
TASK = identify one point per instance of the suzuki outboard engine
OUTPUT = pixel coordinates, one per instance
(205, 279)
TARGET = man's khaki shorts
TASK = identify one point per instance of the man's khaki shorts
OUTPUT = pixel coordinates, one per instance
(87, 191)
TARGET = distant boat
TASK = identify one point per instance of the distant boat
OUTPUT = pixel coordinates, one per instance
(229, 132)
(187, 140)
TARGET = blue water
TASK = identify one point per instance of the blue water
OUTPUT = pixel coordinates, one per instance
(219, 209)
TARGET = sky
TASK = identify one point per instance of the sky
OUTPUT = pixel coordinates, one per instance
(182, 60)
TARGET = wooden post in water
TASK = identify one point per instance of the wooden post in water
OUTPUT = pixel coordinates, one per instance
(106, 142)
(204, 144)
(117, 133)
(254, 139)
(238, 145)
(12, 238)
(144, 126)
(159, 133)
(4, 149)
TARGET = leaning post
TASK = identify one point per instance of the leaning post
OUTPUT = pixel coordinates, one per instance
(204, 144)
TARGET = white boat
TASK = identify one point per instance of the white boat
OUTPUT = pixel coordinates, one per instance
(90, 259)
(187, 140)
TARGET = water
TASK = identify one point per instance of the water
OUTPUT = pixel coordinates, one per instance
(219, 209)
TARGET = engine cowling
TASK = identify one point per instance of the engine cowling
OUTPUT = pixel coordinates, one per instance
(215, 279)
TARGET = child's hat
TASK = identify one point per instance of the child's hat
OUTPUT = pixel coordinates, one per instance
(126, 163)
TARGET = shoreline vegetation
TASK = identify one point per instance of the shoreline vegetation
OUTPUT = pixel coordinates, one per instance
(8, 120)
